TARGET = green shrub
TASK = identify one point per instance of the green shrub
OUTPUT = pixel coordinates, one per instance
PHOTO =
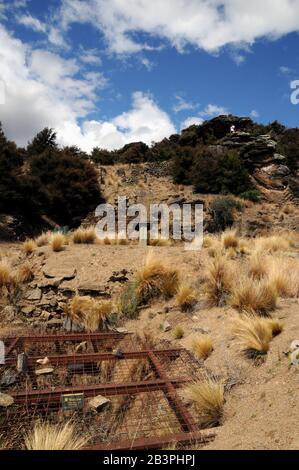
(222, 211)
(251, 195)
(130, 301)
(220, 173)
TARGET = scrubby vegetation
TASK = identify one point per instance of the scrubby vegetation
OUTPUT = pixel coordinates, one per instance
(47, 436)
(208, 397)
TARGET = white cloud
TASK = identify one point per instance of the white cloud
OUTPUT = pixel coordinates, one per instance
(182, 104)
(254, 114)
(90, 57)
(145, 122)
(32, 23)
(208, 25)
(190, 121)
(43, 89)
(213, 110)
(285, 70)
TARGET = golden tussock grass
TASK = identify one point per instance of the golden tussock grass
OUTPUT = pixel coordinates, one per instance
(254, 334)
(90, 313)
(201, 346)
(57, 241)
(250, 295)
(186, 297)
(178, 332)
(276, 326)
(257, 265)
(156, 279)
(46, 436)
(159, 242)
(219, 278)
(208, 398)
(273, 243)
(29, 246)
(7, 277)
(284, 276)
(25, 273)
(43, 239)
(229, 239)
(84, 236)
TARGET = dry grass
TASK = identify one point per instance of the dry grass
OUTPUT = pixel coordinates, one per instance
(84, 235)
(208, 397)
(219, 277)
(43, 239)
(159, 242)
(229, 239)
(90, 313)
(29, 246)
(186, 297)
(7, 277)
(202, 346)
(156, 279)
(284, 276)
(250, 295)
(254, 334)
(276, 326)
(46, 436)
(57, 241)
(178, 332)
(25, 273)
(272, 244)
(257, 265)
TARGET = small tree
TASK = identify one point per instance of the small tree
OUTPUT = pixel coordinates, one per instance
(44, 140)
(222, 211)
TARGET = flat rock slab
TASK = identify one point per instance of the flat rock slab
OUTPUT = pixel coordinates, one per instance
(34, 294)
(6, 400)
(60, 272)
(99, 403)
(44, 371)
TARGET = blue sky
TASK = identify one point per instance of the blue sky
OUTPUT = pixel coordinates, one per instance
(105, 73)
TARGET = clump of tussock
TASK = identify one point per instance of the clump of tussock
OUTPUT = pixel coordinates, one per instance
(43, 239)
(250, 295)
(218, 282)
(208, 398)
(229, 239)
(284, 276)
(257, 265)
(155, 279)
(29, 246)
(201, 346)
(90, 313)
(159, 242)
(186, 297)
(272, 244)
(84, 236)
(46, 436)
(178, 332)
(276, 326)
(7, 277)
(57, 241)
(25, 273)
(254, 334)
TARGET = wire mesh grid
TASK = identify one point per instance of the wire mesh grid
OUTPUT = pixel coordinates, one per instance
(139, 382)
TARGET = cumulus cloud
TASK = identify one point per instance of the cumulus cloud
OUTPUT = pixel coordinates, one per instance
(213, 110)
(182, 104)
(206, 25)
(191, 121)
(32, 23)
(44, 89)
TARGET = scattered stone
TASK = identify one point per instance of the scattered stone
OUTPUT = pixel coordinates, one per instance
(9, 313)
(43, 362)
(22, 362)
(120, 276)
(46, 316)
(44, 371)
(54, 323)
(202, 329)
(34, 294)
(294, 345)
(166, 326)
(8, 378)
(63, 273)
(99, 403)
(28, 310)
(294, 357)
(121, 330)
(118, 353)
(6, 400)
(70, 325)
(81, 347)
(52, 282)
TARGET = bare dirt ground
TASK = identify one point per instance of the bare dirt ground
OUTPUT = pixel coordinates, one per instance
(261, 409)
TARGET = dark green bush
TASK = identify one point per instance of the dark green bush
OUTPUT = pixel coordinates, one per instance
(251, 195)
(222, 211)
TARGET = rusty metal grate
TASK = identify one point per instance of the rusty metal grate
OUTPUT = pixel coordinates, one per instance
(144, 385)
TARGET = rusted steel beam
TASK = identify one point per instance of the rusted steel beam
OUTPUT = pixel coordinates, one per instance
(50, 338)
(65, 359)
(185, 419)
(131, 388)
(156, 442)
(11, 347)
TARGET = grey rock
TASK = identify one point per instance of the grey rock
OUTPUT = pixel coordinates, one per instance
(166, 326)
(34, 294)
(28, 310)
(9, 313)
(44, 371)
(70, 325)
(63, 273)
(8, 378)
(22, 362)
(294, 357)
(54, 323)
(50, 282)
(6, 400)
(99, 403)
(294, 345)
